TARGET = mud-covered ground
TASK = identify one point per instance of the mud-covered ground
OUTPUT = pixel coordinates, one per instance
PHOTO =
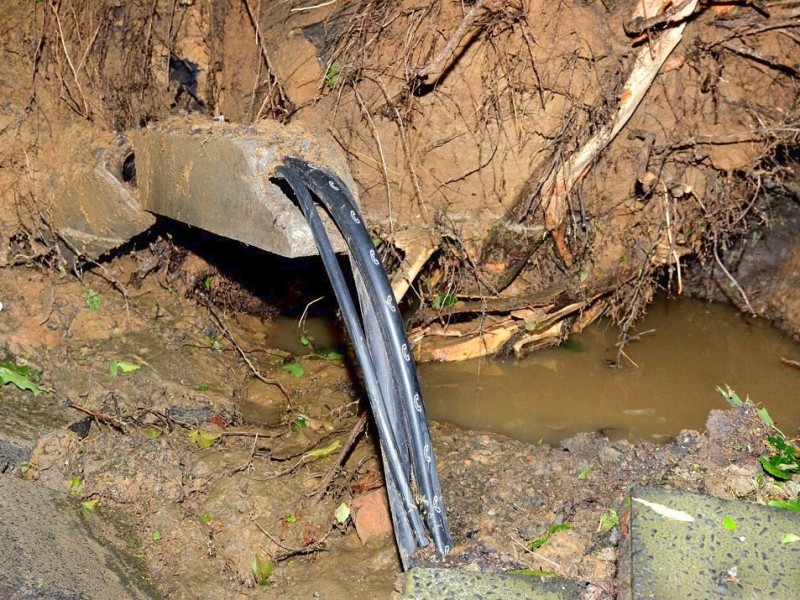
(136, 442)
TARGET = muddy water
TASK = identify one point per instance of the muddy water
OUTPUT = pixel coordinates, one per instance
(561, 391)
(556, 393)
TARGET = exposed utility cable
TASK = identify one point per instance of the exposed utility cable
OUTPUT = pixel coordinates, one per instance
(384, 354)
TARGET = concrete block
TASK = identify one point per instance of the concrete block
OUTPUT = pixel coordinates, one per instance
(713, 548)
(216, 176)
(96, 211)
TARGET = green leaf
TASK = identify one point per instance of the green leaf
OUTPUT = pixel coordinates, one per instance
(261, 570)
(790, 538)
(538, 543)
(763, 414)
(342, 513)
(156, 535)
(154, 433)
(728, 523)
(207, 282)
(296, 369)
(791, 505)
(332, 355)
(533, 573)
(584, 474)
(333, 74)
(90, 504)
(203, 439)
(206, 518)
(305, 341)
(730, 396)
(292, 519)
(116, 367)
(202, 387)
(608, 521)
(93, 300)
(443, 300)
(777, 468)
(324, 451)
(8, 375)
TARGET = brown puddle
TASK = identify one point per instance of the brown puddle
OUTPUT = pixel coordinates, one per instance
(558, 392)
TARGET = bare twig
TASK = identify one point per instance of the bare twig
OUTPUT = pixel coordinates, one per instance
(319, 493)
(86, 111)
(731, 277)
(221, 324)
(452, 43)
(100, 417)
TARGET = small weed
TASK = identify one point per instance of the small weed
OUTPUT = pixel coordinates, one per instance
(90, 504)
(115, 367)
(206, 518)
(92, 299)
(333, 74)
(584, 474)
(442, 300)
(729, 524)
(785, 459)
(203, 439)
(539, 542)
(261, 570)
(156, 535)
(608, 521)
(295, 368)
(21, 376)
(791, 505)
(342, 513)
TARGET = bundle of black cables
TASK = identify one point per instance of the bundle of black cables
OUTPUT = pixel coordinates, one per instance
(383, 352)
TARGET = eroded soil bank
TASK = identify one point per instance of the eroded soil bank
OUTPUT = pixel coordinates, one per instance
(136, 441)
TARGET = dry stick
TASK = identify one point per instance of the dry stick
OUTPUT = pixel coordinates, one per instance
(648, 63)
(452, 43)
(267, 61)
(417, 255)
(641, 23)
(384, 168)
(334, 469)
(69, 61)
(318, 547)
(221, 323)
(731, 277)
(102, 418)
(672, 240)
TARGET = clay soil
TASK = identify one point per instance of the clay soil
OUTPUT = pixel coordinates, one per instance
(448, 159)
(201, 515)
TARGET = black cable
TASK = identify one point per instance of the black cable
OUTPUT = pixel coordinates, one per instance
(388, 442)
(395, 394)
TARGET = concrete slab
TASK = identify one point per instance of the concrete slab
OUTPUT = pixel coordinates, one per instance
(728, 549)
(52, 548)
(444, 584)
(216, 176)
(97, 212)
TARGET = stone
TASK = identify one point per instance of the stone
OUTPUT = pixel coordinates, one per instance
(371, 515)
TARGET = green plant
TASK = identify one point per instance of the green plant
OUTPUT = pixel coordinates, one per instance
(539, 542)
(115, 367)
(261, 570)
(784, 461)
(333, 74)
(21, 376)
(442, 300)
(203, 439)
(608, 521)
(92, 299)
(295, 368)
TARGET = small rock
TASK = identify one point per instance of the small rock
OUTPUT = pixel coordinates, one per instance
(371, 515)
